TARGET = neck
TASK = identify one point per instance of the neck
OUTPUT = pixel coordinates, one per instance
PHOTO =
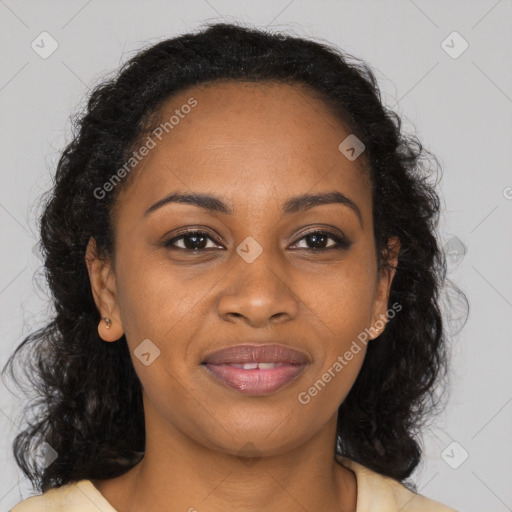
(177, 473)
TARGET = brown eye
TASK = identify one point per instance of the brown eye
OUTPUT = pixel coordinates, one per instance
(318, 241)
(192, 241)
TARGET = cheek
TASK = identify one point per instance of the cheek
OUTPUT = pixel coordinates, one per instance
(342, 299)
(342, 316)
(342, 303)
(153, 296)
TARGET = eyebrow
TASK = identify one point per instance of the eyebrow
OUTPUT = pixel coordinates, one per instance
(292, 205)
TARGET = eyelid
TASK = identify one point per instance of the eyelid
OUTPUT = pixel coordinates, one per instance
(168, 242)
(341, 240)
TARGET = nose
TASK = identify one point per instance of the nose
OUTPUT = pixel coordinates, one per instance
(258, 293)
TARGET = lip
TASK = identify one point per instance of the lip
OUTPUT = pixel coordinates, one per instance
(256, 381)
(256, 353)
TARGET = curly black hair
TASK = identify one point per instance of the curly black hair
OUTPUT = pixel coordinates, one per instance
(88, 404)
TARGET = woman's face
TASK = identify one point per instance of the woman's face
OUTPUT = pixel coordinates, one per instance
(254, 277)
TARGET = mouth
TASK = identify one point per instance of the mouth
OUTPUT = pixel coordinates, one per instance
(256, 369)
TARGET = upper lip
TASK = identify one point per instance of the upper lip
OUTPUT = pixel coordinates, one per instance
(256, 353)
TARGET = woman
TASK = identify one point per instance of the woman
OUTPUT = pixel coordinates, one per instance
(241, 247)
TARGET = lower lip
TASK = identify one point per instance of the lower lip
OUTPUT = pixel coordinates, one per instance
(255, 382)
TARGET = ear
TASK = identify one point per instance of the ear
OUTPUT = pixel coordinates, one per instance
(103, 286)
(386, 275)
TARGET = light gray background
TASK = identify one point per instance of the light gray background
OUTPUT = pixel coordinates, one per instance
(460, 108)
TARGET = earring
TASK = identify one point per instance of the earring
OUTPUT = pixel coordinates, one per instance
(108, 322)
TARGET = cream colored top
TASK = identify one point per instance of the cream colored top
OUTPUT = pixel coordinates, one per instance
(375, 493)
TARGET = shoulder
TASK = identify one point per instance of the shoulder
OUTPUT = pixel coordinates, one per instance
(79, 496)
(379, 493)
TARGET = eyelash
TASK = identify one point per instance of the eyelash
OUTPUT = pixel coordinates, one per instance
(342, 243)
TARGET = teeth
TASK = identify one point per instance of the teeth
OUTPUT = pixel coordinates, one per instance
(266, 366)
(253, 366)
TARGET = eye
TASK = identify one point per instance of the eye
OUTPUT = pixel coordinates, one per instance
(197, 241)
(319, 238)
(193, 240)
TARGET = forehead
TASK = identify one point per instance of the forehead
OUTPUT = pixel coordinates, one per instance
(246, 141)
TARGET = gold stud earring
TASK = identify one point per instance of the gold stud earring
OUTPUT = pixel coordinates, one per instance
(108, 322)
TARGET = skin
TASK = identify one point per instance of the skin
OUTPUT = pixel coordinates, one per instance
(253, 145)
